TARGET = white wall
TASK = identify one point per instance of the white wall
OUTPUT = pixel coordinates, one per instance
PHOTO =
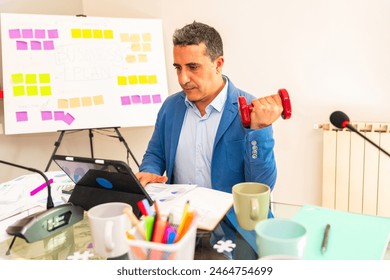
(329, 54)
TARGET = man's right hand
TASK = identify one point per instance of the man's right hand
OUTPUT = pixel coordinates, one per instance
(145, 177)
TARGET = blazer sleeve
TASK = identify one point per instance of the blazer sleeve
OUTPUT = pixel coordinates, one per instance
(260, 165)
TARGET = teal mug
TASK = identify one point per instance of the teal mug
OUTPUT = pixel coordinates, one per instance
(280, 237)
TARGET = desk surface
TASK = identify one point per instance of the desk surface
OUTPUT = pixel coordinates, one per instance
(75, 242)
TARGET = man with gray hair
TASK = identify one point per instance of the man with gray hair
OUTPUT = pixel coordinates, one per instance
(198, 136)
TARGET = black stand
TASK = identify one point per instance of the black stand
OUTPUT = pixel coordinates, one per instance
(91, 135)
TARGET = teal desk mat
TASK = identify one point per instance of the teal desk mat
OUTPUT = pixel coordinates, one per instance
(351, 236)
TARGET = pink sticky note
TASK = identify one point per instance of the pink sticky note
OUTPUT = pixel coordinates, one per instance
(21, 116)
(14, 33)
(59, 115)
(39, 33)
(156, 98)
(21, 45)
(46, 115)
(146, 99)
(36, 45)
(68, 119)
(48, 45)
(125, 100)
(52, 33)
(136, 99)
(27, 33)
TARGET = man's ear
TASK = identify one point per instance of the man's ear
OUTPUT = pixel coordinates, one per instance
(219, 61)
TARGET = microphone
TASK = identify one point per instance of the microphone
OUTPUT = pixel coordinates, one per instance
(45, 223)
(341, 120)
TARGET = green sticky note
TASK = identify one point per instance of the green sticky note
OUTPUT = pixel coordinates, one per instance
(76, 33)
(143, 79)
(97, 34)
(17, 78)
(108, 34)
(44, 78)
(87, 33)
(152, 79)
(31, 78)
(32, 90)
(122, 81)
(133, 80)
(19, 90)
(45, 90)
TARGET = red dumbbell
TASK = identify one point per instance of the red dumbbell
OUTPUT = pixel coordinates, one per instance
(246, 109)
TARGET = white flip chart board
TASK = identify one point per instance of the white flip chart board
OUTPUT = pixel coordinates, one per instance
(69, 72)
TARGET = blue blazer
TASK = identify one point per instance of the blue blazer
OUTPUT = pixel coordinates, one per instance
(233, 160)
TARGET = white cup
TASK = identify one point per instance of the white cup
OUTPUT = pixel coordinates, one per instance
(108, 226)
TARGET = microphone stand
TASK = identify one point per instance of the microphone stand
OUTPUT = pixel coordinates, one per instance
(367, 139)
(49, 203)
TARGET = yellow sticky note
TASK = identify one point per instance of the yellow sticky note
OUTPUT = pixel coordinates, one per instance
(142, 58)
(31, 78)
(76, 33)
(134, 38)
(131, 58)
(74, 102)
(32, 90)
(133, 80)
(146, 37)
(125, 37)
(108, 34)
(87, 33)
(62, 104)
(135, 47)
(152, 79)
(146, 47)
(143, 79)
(122, 81)
(45, 90)
(18, 90)
(98, 100)
(44, 78)
(86, 101)
(97, 34)
(17, 78)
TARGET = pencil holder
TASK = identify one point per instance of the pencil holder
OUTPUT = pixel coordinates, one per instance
(184, 249)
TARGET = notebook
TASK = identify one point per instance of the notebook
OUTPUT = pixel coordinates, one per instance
(351, 236)
(99, 181)
(211, 205)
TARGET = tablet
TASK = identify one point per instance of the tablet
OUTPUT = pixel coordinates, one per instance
(99, 181)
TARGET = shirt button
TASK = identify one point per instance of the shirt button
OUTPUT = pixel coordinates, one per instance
(254, 142)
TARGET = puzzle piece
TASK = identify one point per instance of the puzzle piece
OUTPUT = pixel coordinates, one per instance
(224, 246)
(78, 256)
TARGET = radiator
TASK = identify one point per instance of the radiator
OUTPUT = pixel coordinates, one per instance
(356, 174)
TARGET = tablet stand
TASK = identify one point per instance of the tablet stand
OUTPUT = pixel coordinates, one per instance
(90, 134)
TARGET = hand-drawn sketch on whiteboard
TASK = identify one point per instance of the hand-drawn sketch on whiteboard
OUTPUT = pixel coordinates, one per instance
(67, 72)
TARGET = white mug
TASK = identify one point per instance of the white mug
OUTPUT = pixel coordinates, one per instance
(108, 226)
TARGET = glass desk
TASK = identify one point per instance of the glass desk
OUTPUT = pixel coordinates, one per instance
(76, 241)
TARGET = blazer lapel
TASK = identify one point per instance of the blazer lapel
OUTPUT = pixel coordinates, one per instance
(230, 112)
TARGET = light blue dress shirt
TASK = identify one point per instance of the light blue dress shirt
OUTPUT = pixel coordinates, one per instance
(193, 165)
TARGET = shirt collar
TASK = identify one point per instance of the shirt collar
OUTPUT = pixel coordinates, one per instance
(218, 102)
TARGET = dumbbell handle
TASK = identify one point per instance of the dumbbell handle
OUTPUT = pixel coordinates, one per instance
(246, 109)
